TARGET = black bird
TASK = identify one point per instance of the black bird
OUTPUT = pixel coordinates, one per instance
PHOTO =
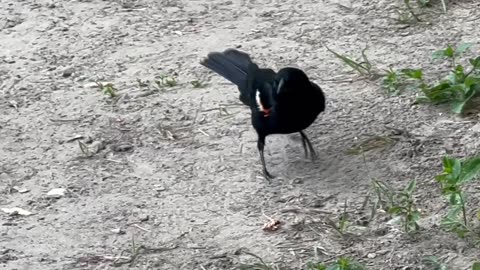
(281, 102)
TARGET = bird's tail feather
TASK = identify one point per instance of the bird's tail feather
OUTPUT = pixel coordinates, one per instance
(231, 64)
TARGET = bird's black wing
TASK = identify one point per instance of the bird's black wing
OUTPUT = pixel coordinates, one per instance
(264, 85)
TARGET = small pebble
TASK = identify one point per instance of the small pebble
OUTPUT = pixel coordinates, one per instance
(371, 255)
(68, 72)
(122, 147)
(118, 231)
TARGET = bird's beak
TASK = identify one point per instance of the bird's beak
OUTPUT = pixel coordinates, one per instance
(280, 85)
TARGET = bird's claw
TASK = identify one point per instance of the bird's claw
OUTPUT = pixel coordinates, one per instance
(268, 176)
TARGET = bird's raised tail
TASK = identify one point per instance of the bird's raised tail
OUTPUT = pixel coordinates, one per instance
(233, 65)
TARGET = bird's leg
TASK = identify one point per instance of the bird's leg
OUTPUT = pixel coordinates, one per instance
(304, 144)
(261, 146)
(310, 147)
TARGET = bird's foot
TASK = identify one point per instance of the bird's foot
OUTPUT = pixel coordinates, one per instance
(268, 176)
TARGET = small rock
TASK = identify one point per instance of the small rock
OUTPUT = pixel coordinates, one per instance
(90, 85)
(8, 223)
(297, 181)
(144, 218)
(21, 190)
(118, 218)
(118, 231)
(68, 72)
(371, 255)
(56, 193)
(97, 146)
(13, 104)
(16, 211)
(395, 221)
(122, 147)
(160, 188)
(95, 84)
(383, 251)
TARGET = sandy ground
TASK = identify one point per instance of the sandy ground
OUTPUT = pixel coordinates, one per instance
(176, 169)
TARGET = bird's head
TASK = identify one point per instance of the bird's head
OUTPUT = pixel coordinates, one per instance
(290, 78)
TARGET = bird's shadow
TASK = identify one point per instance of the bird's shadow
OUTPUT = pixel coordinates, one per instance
(288, 163)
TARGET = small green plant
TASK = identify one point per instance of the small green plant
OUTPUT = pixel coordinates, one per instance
(343, 221)
(391, 82)
(399, 204)
(198, 84)
(395, 82)
(340, 264)
(433, 263)
(363, 66)
(476, 266)
(452, 53)
(419, 6)
(411, 10)
(405, 207)
(457, 89)
(455, 174)
(108, 89)
(166, 81)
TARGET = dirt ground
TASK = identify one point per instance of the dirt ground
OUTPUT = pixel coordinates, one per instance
(176, 169)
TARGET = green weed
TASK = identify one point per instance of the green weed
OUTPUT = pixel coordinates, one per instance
(455, 174)
(413, 11)
(399, 204)
(340, 264)
(362, 66)
(343, 221)
(395, 82)
(433, 263)
(457, 89)
(452, 53)
(166, 81)
(198, 84)
(108, 89)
